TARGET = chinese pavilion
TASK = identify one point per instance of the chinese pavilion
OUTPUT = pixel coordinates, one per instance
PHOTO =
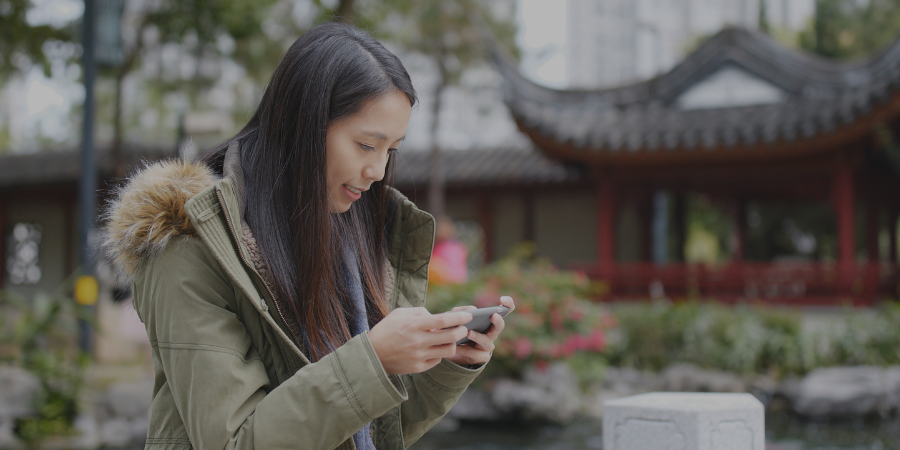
(741, 118)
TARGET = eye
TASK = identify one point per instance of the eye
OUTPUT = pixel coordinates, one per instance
(393, 150)
(367, 148)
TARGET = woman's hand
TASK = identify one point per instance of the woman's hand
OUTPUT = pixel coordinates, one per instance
(412, 340)
(479, 351)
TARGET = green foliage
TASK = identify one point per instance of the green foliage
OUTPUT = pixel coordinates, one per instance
(448, 32)
(40, 335)
(764, 19)
(708, 230)
(553, 320)
(866, 339)
(22, 44)
(750, 339)
(845, 29)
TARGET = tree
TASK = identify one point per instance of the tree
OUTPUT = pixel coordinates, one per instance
(22, 44)
(764, 18)
(449, 33)
(197, 28)
(845, 29)
(25, 44)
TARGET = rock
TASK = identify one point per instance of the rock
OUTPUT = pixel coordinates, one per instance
(115, 433)
(8, 439)
(847, 391)
(126, 400)
(474, 405)
(627, 381)
(139, 427)
(763, 387)
(593, 404)
(891, 404)
(690, 378)
(18, 387)
(88, 436)
(551, 394)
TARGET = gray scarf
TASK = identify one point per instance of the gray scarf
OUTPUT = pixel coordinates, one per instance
(359, 323)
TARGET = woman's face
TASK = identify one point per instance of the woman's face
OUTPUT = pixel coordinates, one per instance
(357, 147)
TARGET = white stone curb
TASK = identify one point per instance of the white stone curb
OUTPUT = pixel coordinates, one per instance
(684, 421)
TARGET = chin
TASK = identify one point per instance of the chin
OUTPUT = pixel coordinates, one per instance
(340, 209)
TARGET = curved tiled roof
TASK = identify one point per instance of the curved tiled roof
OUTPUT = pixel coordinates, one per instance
(819, 97)
(64, 166)
(485, 167)
(462, 168)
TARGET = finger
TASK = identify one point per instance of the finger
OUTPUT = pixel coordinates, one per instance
(508, 302)
(482, 341)
(463, 308)
(410, 311)
(445, 320)
(446, 336)
(498, 325)
(441, 351)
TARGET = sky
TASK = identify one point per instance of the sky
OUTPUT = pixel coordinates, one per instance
(42, 106)
(542, 39)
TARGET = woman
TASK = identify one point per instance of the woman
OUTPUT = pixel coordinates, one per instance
(281, 280)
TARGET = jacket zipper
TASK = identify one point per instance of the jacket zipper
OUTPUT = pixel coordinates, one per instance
(241, 255)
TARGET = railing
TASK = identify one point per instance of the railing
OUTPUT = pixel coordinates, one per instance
(799, 283)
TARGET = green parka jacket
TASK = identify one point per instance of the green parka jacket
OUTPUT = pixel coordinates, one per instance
(228, 373)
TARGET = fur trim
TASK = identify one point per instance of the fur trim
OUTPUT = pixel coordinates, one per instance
(148, 211)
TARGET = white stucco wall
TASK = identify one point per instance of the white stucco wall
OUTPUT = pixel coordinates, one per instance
(729, 87)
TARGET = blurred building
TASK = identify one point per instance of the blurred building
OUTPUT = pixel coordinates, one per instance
(741, 119)
(40, 242)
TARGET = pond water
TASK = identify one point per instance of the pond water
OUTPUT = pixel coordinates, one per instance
(783, 432)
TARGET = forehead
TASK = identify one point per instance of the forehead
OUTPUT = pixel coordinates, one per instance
(384, 117)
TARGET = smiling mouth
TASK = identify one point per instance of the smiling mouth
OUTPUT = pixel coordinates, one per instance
(353, 189)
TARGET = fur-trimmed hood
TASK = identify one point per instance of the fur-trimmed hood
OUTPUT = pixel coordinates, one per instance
(148, 211)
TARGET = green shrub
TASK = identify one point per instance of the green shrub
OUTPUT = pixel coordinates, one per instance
(554, 319)
(864, 338)
(750, 339)
(40, 334)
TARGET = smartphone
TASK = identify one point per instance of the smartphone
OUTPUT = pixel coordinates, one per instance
(481, 320)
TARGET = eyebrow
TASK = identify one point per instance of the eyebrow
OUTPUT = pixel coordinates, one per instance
(380, 136)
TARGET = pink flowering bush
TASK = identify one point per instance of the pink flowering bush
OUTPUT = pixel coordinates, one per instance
(554, 320)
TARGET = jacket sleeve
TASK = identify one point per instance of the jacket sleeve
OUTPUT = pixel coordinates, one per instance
(217, 380)
(431, 395)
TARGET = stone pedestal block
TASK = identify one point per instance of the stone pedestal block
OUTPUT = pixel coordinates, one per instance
(684, 421)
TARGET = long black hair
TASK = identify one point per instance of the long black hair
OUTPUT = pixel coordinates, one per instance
(327, 75)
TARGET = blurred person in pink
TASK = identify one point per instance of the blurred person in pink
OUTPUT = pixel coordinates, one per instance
(450, 256)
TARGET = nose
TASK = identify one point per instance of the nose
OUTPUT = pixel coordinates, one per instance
(376, 166)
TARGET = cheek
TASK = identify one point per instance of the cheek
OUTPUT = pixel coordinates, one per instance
(340, 166)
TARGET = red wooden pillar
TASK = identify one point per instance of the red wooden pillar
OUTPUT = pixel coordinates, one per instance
(845, 209)
(606, 227)
(486, 221)
(739, 229)
(873, 228)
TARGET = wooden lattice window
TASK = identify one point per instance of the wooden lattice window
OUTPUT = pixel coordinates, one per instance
(23, 254)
